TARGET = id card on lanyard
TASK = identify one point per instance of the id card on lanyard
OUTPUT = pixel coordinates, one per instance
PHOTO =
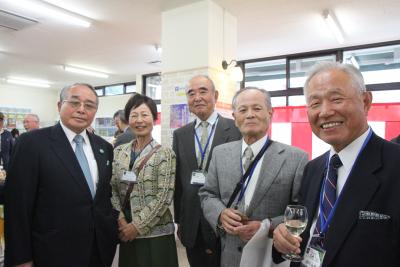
(199, 175)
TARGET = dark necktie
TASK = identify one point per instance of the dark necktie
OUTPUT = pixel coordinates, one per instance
(329, 197)
(83, 162)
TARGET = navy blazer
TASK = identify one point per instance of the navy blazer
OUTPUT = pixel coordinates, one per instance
(50, 215)
(373, 186)
(7, 143)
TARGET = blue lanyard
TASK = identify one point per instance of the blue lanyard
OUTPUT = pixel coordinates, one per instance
(244, 186)
(203, 152)
(325, 223)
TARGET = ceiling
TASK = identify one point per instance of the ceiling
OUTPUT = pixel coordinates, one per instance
(121, 40)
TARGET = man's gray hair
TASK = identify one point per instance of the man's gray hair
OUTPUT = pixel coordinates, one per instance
(64, 91)
(265, 92)
(205, 77)
(353, 73)
(35, 116)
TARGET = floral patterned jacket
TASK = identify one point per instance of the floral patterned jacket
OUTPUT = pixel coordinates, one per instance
(152, 194)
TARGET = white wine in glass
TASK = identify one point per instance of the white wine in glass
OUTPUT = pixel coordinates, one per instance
(295, 219)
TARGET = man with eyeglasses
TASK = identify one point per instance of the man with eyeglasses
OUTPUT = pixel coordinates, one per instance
(58, 209)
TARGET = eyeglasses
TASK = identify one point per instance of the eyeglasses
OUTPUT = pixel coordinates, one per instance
(77, 104)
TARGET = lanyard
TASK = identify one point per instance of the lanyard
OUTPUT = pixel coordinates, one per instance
(252, 168)
(134, 157)
(203, 152)
(325, 223)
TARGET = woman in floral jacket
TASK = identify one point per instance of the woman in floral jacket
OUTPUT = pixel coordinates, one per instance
(145, 221)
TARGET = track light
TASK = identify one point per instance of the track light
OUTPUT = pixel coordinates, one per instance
(236, 73)
(85, 72)
(333, 25)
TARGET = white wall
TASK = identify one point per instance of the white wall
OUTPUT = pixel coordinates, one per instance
(41, 101)
(110, 104)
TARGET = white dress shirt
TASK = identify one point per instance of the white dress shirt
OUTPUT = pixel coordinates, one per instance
(87, 149)
(255, 147)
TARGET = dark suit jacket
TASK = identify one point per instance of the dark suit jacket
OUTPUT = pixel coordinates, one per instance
(124, 138)
(373, 185)
(7, 142)
(187, 207)
(51, 217)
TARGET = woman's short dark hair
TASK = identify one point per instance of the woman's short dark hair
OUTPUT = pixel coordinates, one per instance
(137, 100)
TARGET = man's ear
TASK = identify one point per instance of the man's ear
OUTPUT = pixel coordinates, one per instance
(59, 103)
(216, 94)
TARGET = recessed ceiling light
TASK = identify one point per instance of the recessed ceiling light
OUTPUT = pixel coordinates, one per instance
(50, 10)
(28, 82)
(85, 72)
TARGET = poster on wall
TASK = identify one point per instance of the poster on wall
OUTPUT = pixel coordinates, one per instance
(179, 116)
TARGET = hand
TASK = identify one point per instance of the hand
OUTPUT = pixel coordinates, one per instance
(248, 230)
(26, 264)
(284, 242)
(128, 232)
(230, 219)
(122, 222)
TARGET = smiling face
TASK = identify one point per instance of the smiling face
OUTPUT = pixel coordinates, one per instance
(252, 115)
(74, 117)
(336, 109)
(141, 121)
(201, 97)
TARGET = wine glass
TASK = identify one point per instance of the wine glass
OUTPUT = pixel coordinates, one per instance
(295, 219)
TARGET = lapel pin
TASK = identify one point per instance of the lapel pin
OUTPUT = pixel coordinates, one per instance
(101, 151)
(108, 162)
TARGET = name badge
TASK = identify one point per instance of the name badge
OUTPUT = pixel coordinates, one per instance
(129, 176)
(198, 177)
(313, 257)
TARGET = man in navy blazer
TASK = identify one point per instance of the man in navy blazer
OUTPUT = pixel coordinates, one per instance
(362, 226)
(58, 213)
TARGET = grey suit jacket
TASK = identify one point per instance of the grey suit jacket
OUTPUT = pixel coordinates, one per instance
(277, 186)
(187, 208)
(124, 138)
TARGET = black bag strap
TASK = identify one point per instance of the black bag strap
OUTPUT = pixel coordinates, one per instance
(246, 174)
(131, 184)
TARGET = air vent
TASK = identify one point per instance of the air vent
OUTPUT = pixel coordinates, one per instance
(13, 21)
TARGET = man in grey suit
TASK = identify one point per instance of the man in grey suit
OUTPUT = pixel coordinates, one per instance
(275, 170)
(122, 123)
(192, 157)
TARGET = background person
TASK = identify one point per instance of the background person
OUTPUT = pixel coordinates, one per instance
(145, 222)
(31, 122)
(126, 132)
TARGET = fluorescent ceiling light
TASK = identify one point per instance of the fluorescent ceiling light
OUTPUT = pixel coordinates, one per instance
(28, 82)
(333, 25)
(86, 72)
(50, 10)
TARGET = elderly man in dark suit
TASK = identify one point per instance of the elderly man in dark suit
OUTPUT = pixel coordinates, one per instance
(352, 191)
(275, 170)
(122, 123)
(57, 198)
(193, 145)
(6, 144)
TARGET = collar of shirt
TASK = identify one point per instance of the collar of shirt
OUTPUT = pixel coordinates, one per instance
(255, 147)
(70, 135)
(1, 130)
(348, 156)
(211, 120)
